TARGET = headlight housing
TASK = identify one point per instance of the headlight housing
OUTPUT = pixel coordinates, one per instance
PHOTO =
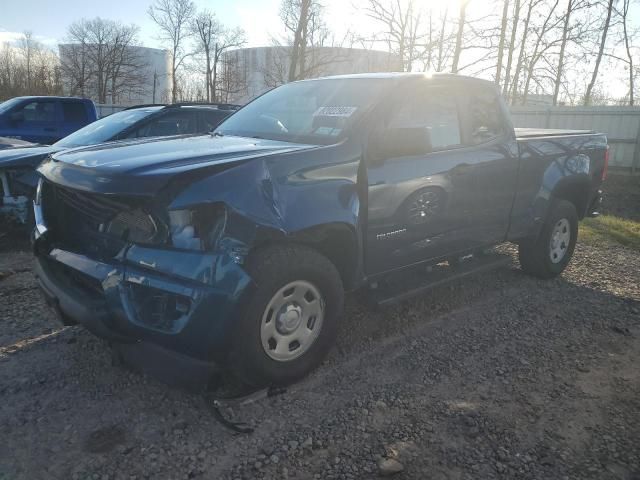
(136, 226)
(197, 228)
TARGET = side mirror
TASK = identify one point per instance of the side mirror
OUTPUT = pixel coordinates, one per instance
(405, 142)
(16, 117)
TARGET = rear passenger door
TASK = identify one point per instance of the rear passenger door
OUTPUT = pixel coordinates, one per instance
(493, 164)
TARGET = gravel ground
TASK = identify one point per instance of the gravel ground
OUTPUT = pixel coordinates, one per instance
(497, 376)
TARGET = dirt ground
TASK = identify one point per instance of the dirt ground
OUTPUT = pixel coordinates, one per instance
(497, 376)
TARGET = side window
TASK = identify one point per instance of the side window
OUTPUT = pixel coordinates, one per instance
(39, 112)
(436, 110)
(485, 117)
(74, 112)
(174, 123)
(212, 118)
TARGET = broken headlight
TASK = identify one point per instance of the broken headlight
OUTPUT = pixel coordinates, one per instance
(197, 228)
(135, 226)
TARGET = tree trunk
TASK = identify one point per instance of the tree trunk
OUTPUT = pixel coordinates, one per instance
(594, 77)
(441, 40)
(565, 30)
(514, 30)
(503, 32)
(208, 74)
(298, 38)
(626, 45)
(516, 74)
(457, 51)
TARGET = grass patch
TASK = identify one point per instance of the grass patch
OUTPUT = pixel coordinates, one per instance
(610, 228)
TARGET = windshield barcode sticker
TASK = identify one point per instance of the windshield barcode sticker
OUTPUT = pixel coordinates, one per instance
(342, 112)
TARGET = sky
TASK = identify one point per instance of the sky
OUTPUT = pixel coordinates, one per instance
(259, 18)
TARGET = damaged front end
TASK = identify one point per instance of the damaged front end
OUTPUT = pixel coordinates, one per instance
(16, 188)
(159, 283)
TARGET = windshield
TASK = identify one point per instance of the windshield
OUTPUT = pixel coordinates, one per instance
(104, 129)
(4, 106)
(316, 111)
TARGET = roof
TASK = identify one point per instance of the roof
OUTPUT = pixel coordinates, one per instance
(408, 75)
(209, 106)
(50, 97)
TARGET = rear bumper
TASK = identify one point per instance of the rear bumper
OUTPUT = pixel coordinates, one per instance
(123, 301)
(594, 207)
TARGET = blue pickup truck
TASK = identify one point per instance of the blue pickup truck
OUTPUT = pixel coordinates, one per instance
(44, 119)
(237, 247)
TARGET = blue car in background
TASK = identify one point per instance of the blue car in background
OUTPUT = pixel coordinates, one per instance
(18, 178)
(44, 119)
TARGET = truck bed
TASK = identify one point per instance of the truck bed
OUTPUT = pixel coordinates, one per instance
(524, 133)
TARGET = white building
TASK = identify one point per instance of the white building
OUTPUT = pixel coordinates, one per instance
(256, 70)
(148, 81)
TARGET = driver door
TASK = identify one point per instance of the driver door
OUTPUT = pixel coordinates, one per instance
(420, 206)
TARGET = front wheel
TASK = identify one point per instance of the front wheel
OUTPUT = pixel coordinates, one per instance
(549, 254)
(290, 321)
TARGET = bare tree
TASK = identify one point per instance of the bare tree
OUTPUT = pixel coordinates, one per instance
(28, 68)
(461, 24)
(594, 76)
(563, 45)
(512, 45)
(98, 61)
(515, 82)
(214, 41)
(541, 46)
(173, 17)
(402, 23)
(503, 34)
(206, 29)
(624, 13)
(304, 23)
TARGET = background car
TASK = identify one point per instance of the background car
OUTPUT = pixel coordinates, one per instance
(6, 142)
(18, 178)
(44, 119)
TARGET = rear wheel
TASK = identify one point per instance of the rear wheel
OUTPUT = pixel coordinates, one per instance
(549, 254)
(291, 319)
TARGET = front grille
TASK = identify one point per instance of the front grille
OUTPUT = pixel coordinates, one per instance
(79, 220)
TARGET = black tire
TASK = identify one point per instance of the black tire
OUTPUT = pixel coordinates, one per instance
(272, 268)
(536, 254)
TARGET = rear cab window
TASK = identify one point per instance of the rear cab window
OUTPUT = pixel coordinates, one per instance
(484, 119)
(74, 112)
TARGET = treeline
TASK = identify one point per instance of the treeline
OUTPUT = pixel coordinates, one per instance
(550, 47)
(578, 52)
(28, 68)
(554, 48)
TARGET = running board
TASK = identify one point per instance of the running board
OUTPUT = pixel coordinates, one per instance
(418, 281)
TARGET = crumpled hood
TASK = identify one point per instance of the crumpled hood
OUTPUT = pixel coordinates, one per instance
(27, 157)
(142, 167)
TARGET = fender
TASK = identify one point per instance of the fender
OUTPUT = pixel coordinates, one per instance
(306, 196)
(560, 169)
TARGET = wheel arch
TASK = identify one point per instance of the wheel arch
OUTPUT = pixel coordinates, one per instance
(337, 241)
(574, 189)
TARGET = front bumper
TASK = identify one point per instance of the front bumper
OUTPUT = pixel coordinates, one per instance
(168, 313)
